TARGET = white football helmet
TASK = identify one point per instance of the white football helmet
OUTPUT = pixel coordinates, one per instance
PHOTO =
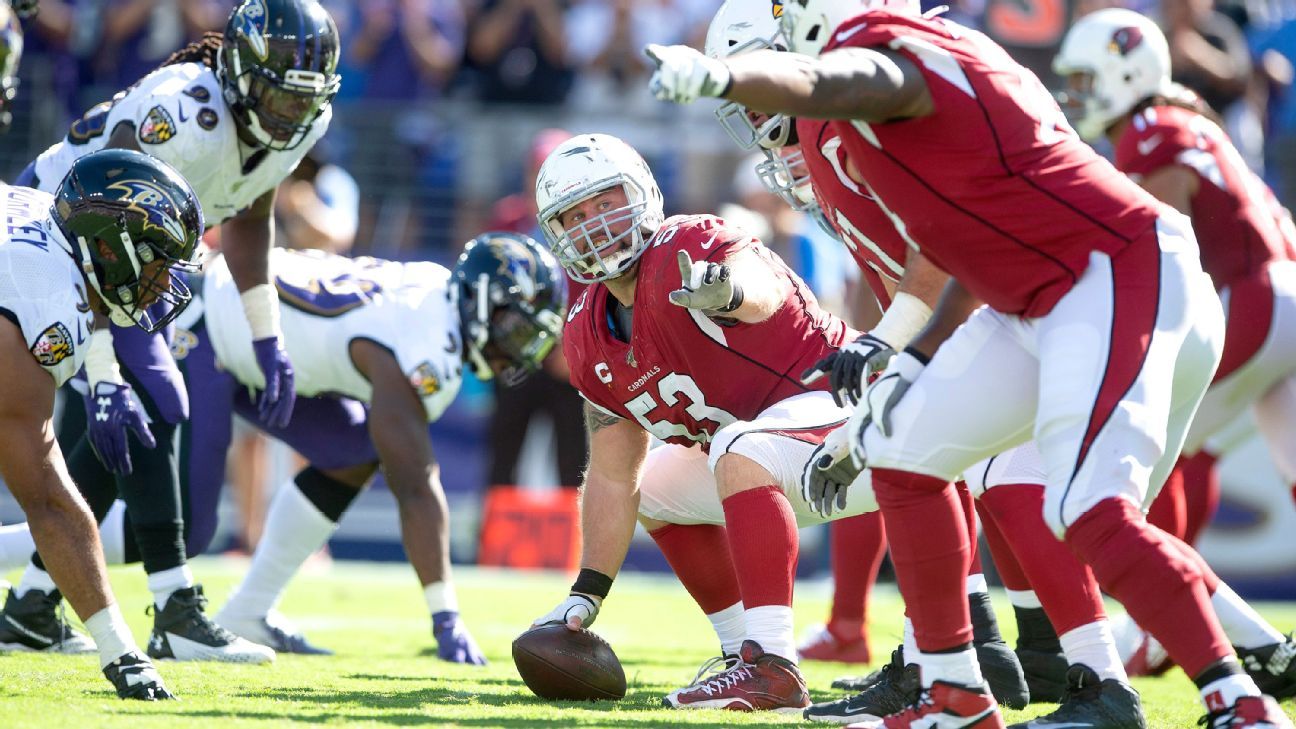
(808, 23)
(1125, 58)
(579, 169)
(742, 26)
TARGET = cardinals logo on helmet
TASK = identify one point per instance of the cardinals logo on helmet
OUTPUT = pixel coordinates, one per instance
(1125, 40)
(776, 8)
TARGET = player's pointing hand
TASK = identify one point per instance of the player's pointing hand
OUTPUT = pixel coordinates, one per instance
(683, 74)
(706, 286)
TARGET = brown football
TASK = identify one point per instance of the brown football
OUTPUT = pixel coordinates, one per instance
(557, 663)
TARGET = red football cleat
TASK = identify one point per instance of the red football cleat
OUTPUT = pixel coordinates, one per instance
(822, 645)
(945, 706)
(760, 681)
(1249, 712)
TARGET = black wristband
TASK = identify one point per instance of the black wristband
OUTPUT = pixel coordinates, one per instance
(735, 301)
(924, 359)
(592, 582)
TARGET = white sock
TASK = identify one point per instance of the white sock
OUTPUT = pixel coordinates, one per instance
(1224, 692)
(1243, 625)
(440, 597)
(163, 583)
(34, 578)
(1025, 599)
(1094, 646)
(294, 530)
(16, 546)
(771, 626)
(112, 532)
(731, 627)
(976, 584)
(910, 641)
(961, 668)
(110, 633)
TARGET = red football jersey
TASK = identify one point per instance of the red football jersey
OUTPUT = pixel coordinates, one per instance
(993, 186)
(683, 376)
(1239, 224)
(867, 232)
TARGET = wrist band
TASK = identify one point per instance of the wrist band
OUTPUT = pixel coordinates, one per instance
(592, 582)
(734, 302)
(922, 358)
(261, 306)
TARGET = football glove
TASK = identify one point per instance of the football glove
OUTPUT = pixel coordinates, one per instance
(275, 405)
(706, 286)
(887, 391)
(576, 612)
(683, 74)
(454, 643)
(110, 412)
(849, 367)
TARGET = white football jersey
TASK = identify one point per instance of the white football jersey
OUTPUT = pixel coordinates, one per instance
(41, 287)
(327, 302)
(181, 118)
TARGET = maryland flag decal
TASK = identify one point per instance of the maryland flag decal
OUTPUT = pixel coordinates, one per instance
(53, 345)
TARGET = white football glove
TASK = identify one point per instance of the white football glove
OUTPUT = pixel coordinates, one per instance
(683, 74)
(576, 612)
(706, 286)
(832, 467)
(886, 392)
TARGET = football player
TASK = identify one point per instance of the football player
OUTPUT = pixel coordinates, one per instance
(112, 239)
(234, 113)
(1098, 338)
(1117, 64)
(1017, 477)
(693, 332)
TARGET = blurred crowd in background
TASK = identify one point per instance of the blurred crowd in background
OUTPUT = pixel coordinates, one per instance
(447, 108)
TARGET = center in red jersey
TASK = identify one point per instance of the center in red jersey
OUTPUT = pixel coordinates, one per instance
(993, 185)
(683, 375)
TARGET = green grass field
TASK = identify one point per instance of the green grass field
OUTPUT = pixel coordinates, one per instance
(386, 673)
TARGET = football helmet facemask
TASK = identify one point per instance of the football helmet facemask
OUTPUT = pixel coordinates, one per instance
(120, 211)
(511, 297)
(578, 169)
(278, 68)
(742, 26)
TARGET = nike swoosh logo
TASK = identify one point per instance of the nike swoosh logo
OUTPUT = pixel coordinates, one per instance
(845, 34)
(180, 111)
(1145, 146)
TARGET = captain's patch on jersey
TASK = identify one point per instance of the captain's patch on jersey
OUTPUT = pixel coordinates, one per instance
(425, 381)
(53, 345)
(157, 126)
(207, 118)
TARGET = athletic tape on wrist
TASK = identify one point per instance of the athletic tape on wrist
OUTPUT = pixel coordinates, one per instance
(902, 321)
(261, 306)
(101, 360)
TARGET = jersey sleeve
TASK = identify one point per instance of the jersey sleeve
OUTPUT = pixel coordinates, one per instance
(704, 237)
(52, 329)
(1156, 139)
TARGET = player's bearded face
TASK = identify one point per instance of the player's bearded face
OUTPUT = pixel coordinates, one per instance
(597, 219)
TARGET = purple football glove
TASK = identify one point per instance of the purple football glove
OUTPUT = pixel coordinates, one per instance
(110, 410)
(275, 405)
(454, 643)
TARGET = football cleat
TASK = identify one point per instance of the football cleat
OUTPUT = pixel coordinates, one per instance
(271, 630)
(1139, 651)
(758, 681)
(134, 677)
(1003, 673)
(821, 645)
(1248, 712)
(1091, 703)
(944, 706)
(1272, 667)
(454, 643)
(35, 622)
(894, 687)
(183, 632)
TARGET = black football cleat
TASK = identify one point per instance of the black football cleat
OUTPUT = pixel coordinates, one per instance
(1092, 704)
(135, 678)
(890, 690)
(35, 622)
(183, 632)
(1272, 667)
